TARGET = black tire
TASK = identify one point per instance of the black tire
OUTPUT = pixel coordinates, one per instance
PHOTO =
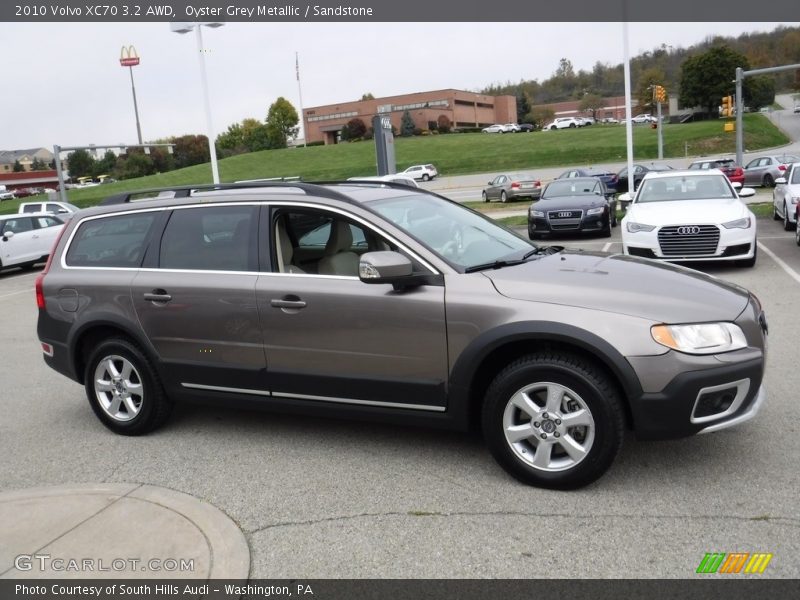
(153, 406)
(426, 177)
(748, 262)
(593, 390)
(571, 125)
(787, 224)
(613, 217)
(775, 215)
(797, 230)
(484, 196)
(769, 181)
(503, 197)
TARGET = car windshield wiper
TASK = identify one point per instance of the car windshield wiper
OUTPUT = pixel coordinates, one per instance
(498, 264)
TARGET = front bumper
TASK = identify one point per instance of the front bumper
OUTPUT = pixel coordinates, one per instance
(734, 244)
(587, 224)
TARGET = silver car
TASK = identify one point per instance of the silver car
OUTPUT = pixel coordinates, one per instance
(764, 170)
(392, 304)
(511, 186)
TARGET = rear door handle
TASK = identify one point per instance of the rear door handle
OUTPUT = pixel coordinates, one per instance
(157, 296)
(287, 303)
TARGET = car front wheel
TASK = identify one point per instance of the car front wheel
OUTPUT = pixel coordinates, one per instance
(503, 196)
(787, 224)
(426, 177)
(123, 388)
(553, 420)
(797, 230)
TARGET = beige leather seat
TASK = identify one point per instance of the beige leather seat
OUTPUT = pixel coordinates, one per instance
(284, 249)
(339, 258)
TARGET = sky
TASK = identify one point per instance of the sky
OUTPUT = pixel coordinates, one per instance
(63, 84)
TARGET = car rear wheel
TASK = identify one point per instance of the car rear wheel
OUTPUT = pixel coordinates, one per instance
(124, 389)
(503, 196)
(426, 177)
(768, 180)
(553, 420)
(797, 230)
(775, 215)
(571, 125)
(787, 224)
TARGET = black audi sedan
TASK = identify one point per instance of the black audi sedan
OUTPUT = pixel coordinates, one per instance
(577, 205)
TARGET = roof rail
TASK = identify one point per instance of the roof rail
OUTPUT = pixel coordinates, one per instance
(185, 191)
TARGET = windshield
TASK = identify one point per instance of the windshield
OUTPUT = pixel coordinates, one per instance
(566, 187)
(459, 235)
(686, 187)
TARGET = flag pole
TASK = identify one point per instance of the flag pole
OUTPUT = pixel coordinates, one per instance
(300, 93)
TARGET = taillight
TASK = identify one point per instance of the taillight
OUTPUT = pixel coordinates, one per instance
(537, 184)
(738, 171)
(40, 278)
(515, 185)
(781, 167)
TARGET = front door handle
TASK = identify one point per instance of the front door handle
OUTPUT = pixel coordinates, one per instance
(288, 302)
(157, 296)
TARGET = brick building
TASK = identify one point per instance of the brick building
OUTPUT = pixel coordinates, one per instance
(463, 109)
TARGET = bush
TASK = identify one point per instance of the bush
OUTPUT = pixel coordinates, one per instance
(443, 124)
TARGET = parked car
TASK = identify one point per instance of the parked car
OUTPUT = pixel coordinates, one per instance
(786, 196)
(494, 129)
(512, 128)
(610, 120)
(436, 315)
(510, 186)
(563, 123)
(6, 194)
(690, 216)
(25, 192)
(526, 127)
(644, 118)
(423, 172)
(575, 205)
(396, 178)
(728, 166)
(51, 207)
(639, 171)
(609, 178)
(27, 239)
(764, 170)
(588, 120)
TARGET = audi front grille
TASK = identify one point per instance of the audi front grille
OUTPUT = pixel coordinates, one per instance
(689, 241)
(562, 220)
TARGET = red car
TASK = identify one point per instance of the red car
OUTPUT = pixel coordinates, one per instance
(733, 172)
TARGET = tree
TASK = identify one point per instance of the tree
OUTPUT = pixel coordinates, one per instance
(354, 129)
(758, 91)
(407, 126)
(592, 103)
(190, 150)
(38, 164)
(367, 96)
(80, 164)
(18, 168)
(282, 123)
(136, 164)
(540, 116)
(444, 124)
(105, 165)
(644, 88)
(707, 77)
(523, 105)
(230, 141)
(255, 135)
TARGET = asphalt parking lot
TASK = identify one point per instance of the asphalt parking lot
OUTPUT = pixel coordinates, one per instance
(323, 498)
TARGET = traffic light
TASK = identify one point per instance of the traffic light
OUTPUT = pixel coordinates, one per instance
(727, 106)
(661, 93)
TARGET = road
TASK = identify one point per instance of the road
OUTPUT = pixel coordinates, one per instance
(326, 498)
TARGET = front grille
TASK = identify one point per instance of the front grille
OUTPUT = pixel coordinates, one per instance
(561, 220)
(689, 240)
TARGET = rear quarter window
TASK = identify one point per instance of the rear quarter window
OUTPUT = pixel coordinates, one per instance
(116, 241)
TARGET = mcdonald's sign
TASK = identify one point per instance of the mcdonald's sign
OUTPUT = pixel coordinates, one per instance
(128, 57)
(734, 563)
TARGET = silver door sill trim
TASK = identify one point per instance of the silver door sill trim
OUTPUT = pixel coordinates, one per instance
(217, 388)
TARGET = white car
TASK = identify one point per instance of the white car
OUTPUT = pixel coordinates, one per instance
(27, 239)
(563, 123)
(423, 172)
(785, 197)
(512, 128)
(644, 118)
(396, 178)
(690, 216)
(494, 129)
(51, 207)
(6, 194)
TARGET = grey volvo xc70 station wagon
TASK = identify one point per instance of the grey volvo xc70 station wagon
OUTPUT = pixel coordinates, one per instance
(376, 301)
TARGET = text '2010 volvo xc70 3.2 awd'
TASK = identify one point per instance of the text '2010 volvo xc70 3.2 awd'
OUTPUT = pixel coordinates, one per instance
(376, 301)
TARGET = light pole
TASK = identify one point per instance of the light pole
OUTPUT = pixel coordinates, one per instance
(186, 28)
(128, 57)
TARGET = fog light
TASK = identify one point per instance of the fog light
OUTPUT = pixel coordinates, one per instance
(712, 403)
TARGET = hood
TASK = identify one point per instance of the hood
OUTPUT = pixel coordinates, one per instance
(570, 202)
(622, 284)
(682, 212)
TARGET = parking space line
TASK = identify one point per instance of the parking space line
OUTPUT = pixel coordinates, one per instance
(789, 270)
(607, 246)
(29, 290)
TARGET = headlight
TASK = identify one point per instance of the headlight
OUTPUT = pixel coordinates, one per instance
(537, 213)
(738, 224)
(596, 211)
(636, 227)
(702, 338)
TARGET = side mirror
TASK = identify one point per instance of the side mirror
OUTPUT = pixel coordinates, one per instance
(626, 197)
(746, 192)
(780, 181)
(7, 235)
(736, 185)
(489, 182)
(392, 267)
